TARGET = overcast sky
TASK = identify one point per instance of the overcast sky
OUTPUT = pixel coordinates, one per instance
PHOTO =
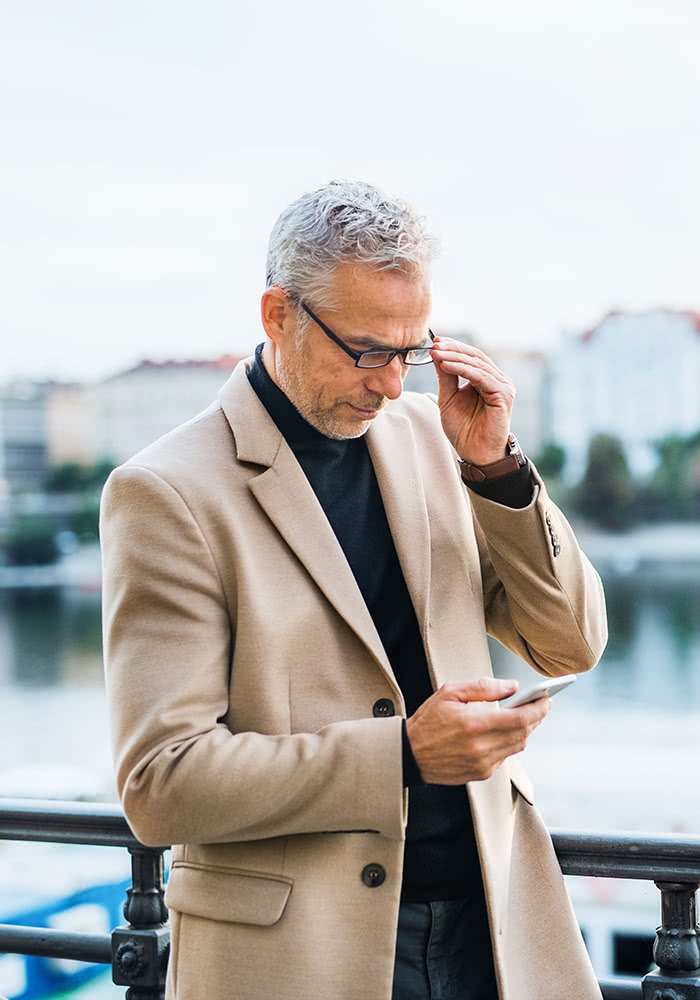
(149, 145)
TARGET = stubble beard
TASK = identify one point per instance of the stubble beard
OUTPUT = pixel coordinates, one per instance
(329, 420)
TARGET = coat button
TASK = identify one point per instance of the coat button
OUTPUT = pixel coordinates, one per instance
(373, 875)
(383, 708)
(557, 550)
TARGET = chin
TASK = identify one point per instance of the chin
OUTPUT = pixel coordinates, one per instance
(338, 432)
(358, 431)
(332, 425)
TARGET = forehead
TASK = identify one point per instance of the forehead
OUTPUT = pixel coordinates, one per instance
(382, 300)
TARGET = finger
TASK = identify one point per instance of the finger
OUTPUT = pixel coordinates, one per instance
(475, 374)
(523, 719)
(443, 357)
(485, 385)
(448, 384)
(473, 368)
(536, 711)
(531, 709)
(449, 353)
(483, 689)
(447, 343)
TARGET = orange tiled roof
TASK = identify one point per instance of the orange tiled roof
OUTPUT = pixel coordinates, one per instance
(694, 317)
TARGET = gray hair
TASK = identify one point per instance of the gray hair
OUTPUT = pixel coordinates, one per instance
(344, 221)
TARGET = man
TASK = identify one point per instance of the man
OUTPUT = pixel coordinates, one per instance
(298, 587)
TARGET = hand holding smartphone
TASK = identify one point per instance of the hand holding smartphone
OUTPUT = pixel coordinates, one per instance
(545, 689)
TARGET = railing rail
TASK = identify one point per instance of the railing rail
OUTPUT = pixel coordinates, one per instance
(658, 858)
(95, 823)
(48, 943)
(138, 951)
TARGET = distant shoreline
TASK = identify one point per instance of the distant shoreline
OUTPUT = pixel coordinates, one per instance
(81, 570)
(672, 547)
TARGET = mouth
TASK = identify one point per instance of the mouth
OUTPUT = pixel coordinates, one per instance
(365, 414)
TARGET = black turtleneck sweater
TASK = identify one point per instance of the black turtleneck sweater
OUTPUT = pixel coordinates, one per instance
(440, 860)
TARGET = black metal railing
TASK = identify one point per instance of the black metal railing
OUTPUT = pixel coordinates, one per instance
(673, 864)
(138, 950)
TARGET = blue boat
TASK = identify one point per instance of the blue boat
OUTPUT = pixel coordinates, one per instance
(63, 887)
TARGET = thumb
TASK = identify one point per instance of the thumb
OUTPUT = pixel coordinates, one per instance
(483, 689)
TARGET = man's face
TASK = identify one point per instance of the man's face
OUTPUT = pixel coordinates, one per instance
(377, 309)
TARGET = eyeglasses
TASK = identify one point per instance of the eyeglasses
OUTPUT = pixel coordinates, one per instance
(374, 358)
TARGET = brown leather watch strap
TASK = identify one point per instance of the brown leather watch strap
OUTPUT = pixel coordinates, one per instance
(513, 461)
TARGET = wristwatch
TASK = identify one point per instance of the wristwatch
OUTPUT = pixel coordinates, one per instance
(514, 460)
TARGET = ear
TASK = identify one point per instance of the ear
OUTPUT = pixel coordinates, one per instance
(278, 315)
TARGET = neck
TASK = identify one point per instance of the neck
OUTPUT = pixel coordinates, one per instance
(269, 359)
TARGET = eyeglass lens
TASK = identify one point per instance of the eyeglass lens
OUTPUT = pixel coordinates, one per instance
(377, 359)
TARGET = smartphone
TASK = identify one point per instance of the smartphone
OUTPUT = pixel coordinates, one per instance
(545, 689)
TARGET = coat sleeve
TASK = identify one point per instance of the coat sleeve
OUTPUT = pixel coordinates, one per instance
(182, 775)
(542, 598)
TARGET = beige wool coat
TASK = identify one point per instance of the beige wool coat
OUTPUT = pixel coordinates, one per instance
(242, 666)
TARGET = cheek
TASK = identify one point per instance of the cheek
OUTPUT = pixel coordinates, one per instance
(337, 383)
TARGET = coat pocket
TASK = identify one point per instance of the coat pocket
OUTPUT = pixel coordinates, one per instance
(227, 894)
(521, 780)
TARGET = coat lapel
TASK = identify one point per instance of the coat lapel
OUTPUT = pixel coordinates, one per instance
(392, 447)
(284, 493)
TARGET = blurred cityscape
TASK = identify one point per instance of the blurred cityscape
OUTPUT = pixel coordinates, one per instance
(611, 417)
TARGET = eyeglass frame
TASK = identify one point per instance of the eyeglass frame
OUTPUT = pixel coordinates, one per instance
(357, 355)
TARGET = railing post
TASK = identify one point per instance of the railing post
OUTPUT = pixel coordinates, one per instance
(140, 950)
(677, 946)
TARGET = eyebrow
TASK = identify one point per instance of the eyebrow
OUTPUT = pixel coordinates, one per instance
(358, 344)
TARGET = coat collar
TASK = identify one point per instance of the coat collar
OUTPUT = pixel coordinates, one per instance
(284, 493)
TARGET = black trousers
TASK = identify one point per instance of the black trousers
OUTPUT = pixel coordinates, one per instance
(443, 952)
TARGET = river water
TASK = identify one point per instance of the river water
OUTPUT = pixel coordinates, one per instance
(618, 750)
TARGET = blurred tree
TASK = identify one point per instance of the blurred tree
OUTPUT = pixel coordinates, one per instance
(68, 477)
(606, 493)
(694, 483)
(651, 502)
(31, 542)
(100, 471)
(676, 480)
(551, 460)
(671, 474)
(85, 520)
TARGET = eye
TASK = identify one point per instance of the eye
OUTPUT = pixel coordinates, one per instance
(418, 356)
(375, 359)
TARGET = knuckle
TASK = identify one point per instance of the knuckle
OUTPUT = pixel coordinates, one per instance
(490, 722)
(471, 726)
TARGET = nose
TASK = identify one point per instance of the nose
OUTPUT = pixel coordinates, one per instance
(387, 380)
